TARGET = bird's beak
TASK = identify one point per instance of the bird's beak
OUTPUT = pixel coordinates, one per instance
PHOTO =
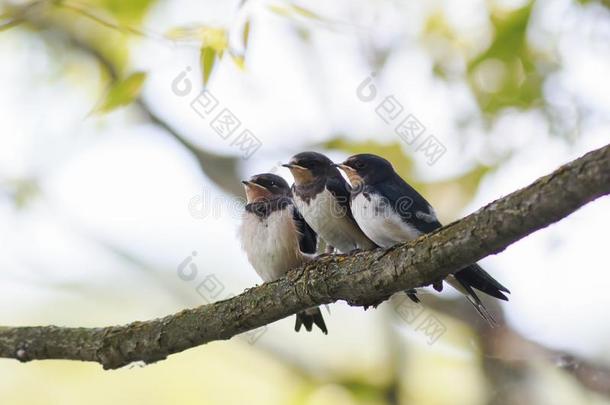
(347, 169)
(294, 166)
(351, 173)
(302, 175)
(254, 191)
(251, 184)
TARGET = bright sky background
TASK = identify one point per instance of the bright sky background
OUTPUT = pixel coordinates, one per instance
(119, 180)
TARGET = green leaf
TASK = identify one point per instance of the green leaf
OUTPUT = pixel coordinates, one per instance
(246, 34)
(280, 10)
(183, 33)
(122, 92)
(207, 58)
(239, 61)
(215, 38)
(131, 11)
(293, 10)
(305, 12)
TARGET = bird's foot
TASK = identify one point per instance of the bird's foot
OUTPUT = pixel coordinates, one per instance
(412, 294)
(438, 285)
(376, 303)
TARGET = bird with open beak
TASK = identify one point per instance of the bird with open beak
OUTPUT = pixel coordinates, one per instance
(275, 236)
(389, 211)
(323, 197)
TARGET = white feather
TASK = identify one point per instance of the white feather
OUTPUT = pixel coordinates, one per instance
(330, 220)
(271, 243)
(380, 222)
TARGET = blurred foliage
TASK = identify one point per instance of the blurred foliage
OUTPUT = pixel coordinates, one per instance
(246, 34)
(104, 34)
(122, 92)
(208, 57)
(22, 191)
(127, 12)
(605, 3)
(293, 10)
(214, 44)
(105, 25)
(506, 74)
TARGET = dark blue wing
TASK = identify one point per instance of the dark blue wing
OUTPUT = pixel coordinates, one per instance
(308, 238)
(414, 209)
(409, 204)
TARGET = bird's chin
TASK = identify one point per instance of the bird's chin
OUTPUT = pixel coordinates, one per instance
(301, 175)
(352, 175)
(354, 179)
(256, 194)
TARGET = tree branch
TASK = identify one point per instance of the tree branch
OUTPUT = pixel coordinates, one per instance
(359, 279)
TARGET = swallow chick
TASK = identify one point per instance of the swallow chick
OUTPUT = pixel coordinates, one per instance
(322, 195)
(389, 211)
(275, 236)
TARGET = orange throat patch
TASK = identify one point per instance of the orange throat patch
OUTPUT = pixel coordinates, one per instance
(256, 193)
(301, 175)
(353, 176)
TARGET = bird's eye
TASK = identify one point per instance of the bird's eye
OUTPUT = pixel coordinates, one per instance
(359, 165)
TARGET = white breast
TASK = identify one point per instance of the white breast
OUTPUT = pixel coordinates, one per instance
(380, 222)
(329, 219)
(271, 243)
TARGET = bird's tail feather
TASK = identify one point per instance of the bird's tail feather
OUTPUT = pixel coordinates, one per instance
(308, 318)
(473, 276)
(474, 299)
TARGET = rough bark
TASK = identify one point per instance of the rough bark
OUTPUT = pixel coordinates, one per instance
(360, 279)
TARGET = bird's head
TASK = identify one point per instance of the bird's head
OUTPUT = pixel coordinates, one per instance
(366, 168)
(307, 167)
(265, 186)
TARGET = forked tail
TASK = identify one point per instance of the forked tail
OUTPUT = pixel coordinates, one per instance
(308, 318)
(473, 277)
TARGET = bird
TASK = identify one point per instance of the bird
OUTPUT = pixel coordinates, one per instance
(275, 237)
(389, 211)
(322, 196)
